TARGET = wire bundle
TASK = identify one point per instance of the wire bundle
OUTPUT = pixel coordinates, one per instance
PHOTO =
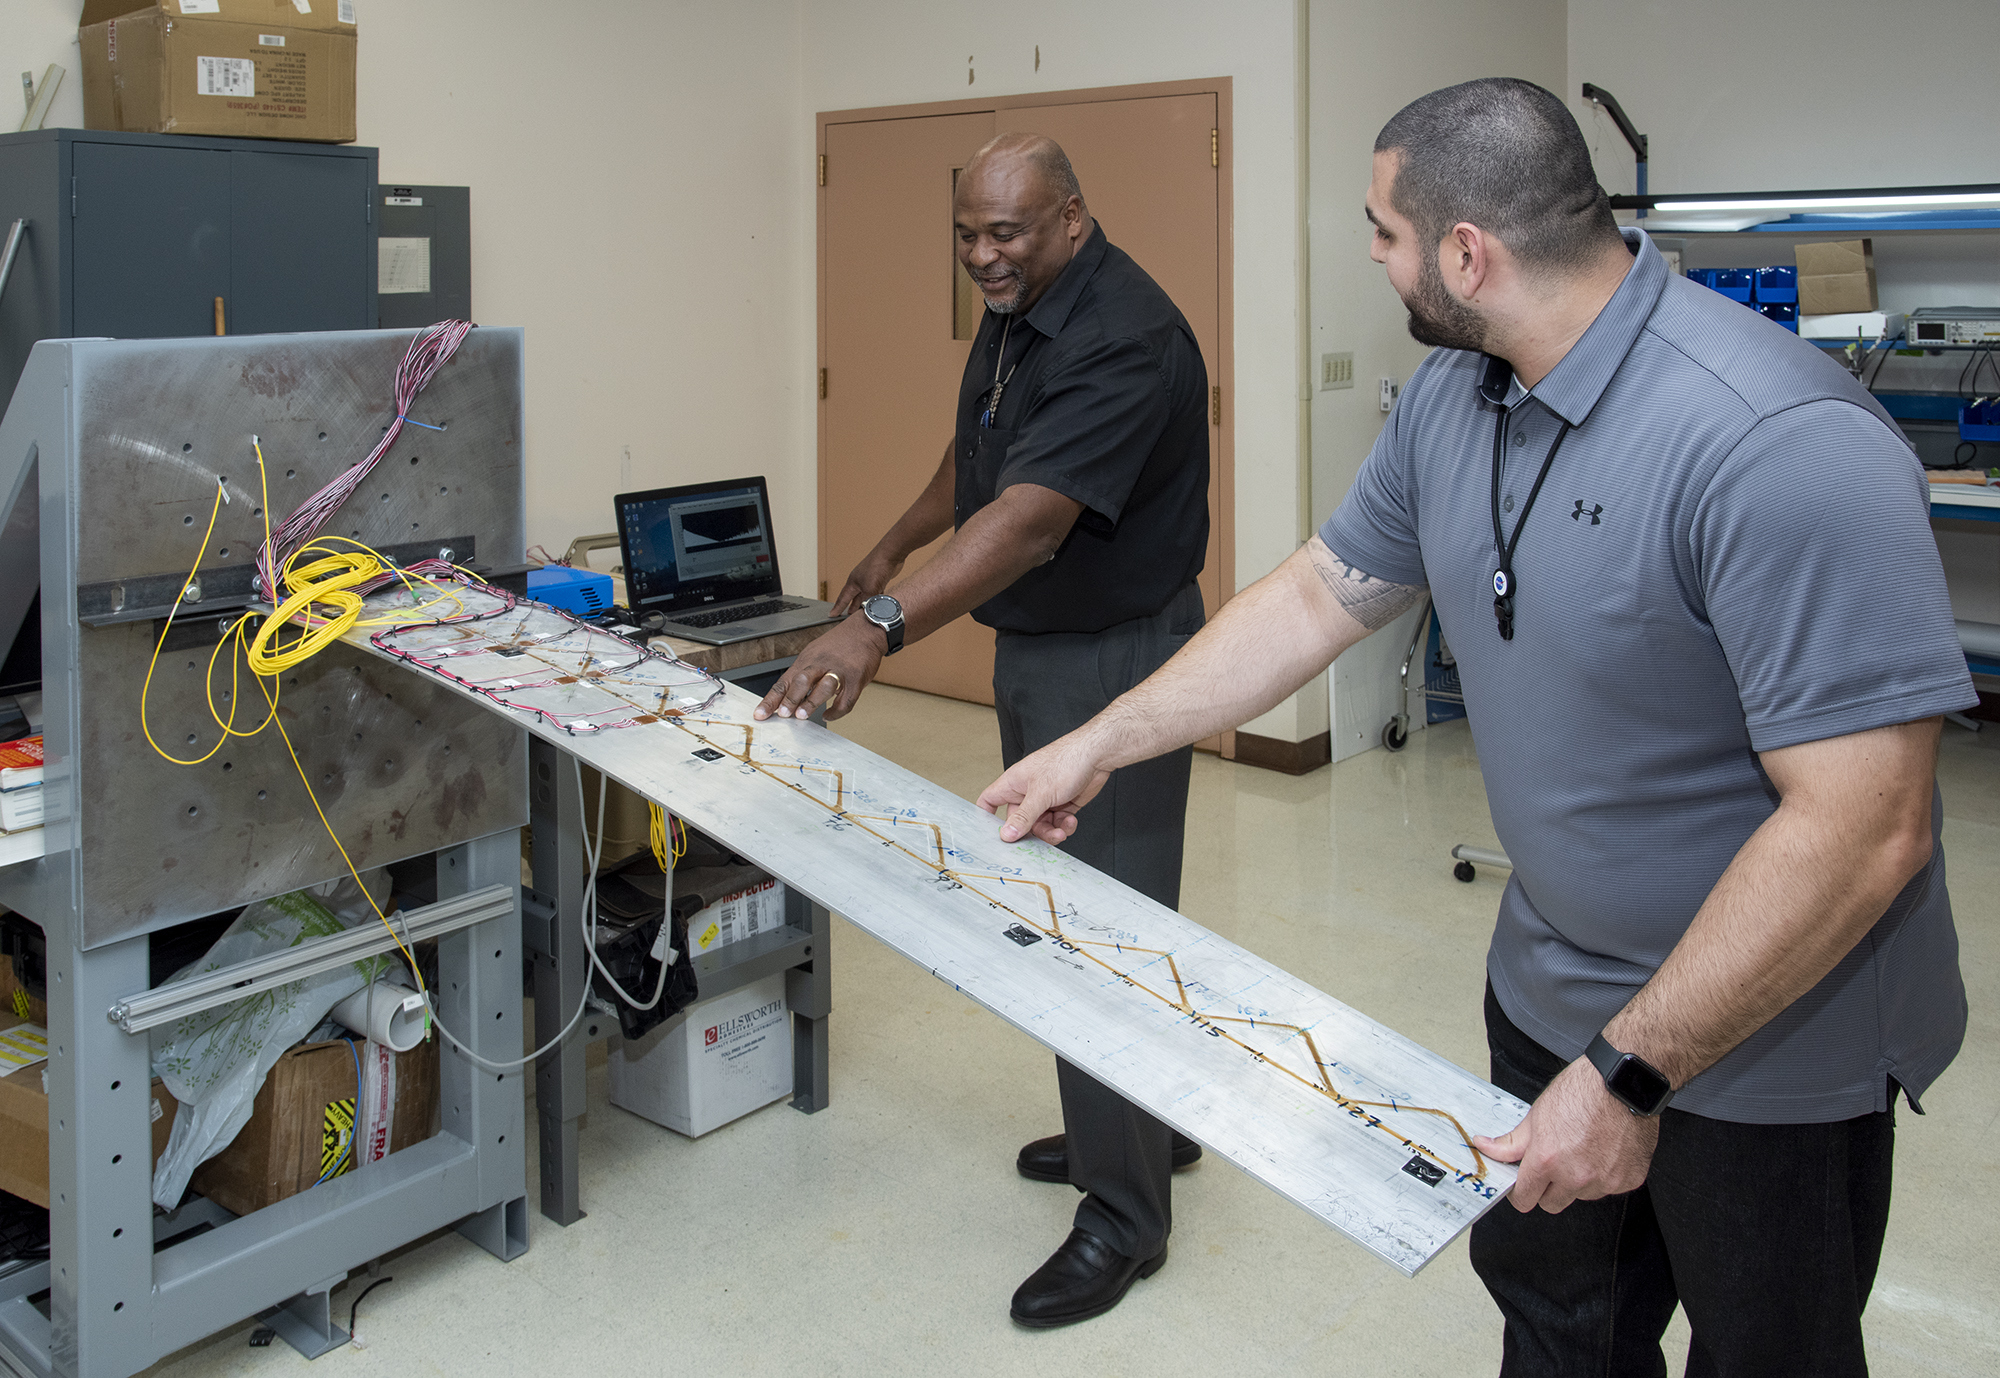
(425, 356)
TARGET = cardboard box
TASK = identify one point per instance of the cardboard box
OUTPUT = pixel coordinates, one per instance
(303, 1112)
(24, 1105)
(1836, 277)
(259, 69)
(711, 1063)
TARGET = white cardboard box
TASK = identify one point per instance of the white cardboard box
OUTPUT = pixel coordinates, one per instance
(731, 919)
(713, 1062)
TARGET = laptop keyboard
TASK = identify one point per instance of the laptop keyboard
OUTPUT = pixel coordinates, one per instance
(762, 608)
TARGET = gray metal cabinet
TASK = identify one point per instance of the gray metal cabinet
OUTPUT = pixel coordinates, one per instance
(137, 235)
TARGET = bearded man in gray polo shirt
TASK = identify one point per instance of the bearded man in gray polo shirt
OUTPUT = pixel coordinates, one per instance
(1685, 564)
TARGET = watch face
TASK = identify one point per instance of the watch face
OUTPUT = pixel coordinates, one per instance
(1638, 1085)
(882, 609)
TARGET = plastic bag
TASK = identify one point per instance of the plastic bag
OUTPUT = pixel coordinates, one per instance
(215, 1061)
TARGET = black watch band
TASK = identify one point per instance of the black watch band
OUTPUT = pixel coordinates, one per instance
(885, 612)
(1642, 1087)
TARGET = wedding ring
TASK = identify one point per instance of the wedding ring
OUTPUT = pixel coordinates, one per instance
(838, 682)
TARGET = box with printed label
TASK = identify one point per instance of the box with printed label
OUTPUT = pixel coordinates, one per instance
(24, 1102)
(713, 1062)
(260, 69)
(324, 1110)
(731, 919)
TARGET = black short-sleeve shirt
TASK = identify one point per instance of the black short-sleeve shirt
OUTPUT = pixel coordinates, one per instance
(1105, 402)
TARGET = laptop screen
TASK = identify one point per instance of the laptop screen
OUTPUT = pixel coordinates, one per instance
(690, 546)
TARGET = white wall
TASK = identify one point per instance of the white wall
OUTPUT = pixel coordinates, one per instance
(1370, 58)
(636, 170)
(892, 52)
(1741, 95)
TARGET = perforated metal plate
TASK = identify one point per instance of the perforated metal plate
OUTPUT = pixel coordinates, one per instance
(401, 767)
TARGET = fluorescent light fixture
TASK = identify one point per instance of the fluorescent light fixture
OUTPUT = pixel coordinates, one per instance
(1834, 201)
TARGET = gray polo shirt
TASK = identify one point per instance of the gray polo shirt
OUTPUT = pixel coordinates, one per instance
(1731, 554)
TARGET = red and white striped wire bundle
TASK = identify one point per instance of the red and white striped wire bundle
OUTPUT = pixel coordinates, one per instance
(427, 354)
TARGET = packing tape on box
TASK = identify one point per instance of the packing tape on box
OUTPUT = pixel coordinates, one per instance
(387, 1012)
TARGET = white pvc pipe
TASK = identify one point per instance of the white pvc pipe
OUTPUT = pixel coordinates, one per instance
(387, 1012)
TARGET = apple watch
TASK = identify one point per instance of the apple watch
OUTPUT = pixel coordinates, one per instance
(1635, 1081)
(886, 613)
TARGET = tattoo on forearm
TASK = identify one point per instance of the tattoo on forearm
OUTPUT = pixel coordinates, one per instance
(1372, 602)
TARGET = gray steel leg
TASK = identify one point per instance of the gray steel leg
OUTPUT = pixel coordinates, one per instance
(561, 969)
(479, 970)
(306, 1321)
(100, 1162)
(809, 992)
(501, 1230)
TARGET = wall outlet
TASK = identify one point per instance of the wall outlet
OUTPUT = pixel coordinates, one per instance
(1336, 371)
(1389, 391)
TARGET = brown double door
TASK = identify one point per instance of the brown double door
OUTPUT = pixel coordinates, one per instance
(895, 329)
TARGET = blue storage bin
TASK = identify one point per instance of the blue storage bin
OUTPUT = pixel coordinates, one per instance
(1738, 284)
(1785, 313)
(1980, 421)
(1780, 284)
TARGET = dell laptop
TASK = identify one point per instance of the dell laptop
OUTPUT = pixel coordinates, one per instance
(702, 556)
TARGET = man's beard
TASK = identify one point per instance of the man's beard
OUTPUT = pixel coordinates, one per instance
(1014, 299)
(1439, 319)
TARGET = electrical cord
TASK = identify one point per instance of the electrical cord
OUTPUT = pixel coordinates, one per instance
(355, 1309)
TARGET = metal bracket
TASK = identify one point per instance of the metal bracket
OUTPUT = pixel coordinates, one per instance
(306, 1321)
(147, 1009)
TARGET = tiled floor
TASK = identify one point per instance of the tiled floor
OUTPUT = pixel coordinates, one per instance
(884, 1235)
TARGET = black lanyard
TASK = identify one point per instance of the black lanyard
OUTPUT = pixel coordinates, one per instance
(1505, 586)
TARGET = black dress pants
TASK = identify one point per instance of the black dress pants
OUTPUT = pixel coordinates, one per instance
(1044, 686)
(1768, 1234)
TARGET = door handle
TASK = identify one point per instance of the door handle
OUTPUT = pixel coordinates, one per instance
(218, 317)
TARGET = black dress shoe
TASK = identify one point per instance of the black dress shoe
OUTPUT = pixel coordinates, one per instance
(1085, 1277)
(1047, 1160)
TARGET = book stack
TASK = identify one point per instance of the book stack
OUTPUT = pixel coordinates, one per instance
(21, 784)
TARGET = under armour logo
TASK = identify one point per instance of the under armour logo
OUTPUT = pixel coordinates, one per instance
(1595, 512)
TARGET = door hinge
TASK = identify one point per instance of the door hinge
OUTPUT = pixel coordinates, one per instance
(822, 385)
(1215, 406)
(1215, 148)
(822, 169)
(822, 590)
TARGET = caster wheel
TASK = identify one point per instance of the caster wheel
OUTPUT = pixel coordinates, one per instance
(1394, 738)
(1464, 871)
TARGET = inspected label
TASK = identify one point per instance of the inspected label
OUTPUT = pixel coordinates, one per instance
(225, 76)
(270, 40)
(23, 1046)
(403, 265)
(201, 6)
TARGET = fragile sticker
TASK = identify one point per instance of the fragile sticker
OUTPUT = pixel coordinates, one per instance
(225, 76)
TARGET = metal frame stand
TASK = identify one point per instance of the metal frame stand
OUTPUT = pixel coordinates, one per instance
(553, 937)
(118, 1302)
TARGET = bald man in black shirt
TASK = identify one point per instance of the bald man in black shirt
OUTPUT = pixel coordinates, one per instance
(1077, 491)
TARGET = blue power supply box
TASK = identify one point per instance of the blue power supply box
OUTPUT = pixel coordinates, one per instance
(584, 592)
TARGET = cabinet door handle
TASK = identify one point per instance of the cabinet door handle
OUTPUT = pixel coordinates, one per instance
(218, 317)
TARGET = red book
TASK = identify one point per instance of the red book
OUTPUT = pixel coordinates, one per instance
(21, 762)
